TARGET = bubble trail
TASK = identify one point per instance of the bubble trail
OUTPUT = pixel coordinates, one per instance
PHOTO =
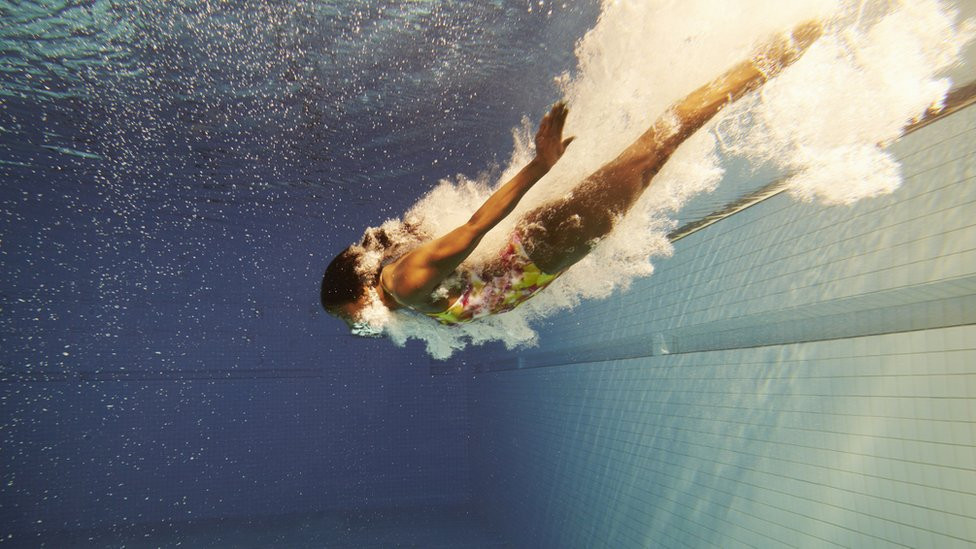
(824, 120)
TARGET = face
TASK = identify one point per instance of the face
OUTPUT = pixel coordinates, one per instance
(363, 329)
(350, 314)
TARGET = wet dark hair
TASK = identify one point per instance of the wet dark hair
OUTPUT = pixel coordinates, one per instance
(341, 283)
(344, 281)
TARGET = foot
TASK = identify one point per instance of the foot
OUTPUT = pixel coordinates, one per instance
(782, 51)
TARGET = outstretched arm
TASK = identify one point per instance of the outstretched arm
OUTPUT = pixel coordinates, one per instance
(413, 277)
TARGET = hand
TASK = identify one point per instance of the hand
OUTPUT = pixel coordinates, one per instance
(549, 142)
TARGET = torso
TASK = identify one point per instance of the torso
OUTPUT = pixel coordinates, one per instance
(500, 286)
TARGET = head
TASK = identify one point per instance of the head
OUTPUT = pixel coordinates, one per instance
(345, 290)
(347, 287)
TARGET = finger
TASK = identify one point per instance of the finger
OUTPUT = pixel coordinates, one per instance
(567, 141)
(560, 120)
(546, 118)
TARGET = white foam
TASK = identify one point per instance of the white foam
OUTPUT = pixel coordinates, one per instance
(824, 120)
(827, 118)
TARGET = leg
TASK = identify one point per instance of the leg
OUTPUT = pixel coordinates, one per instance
(559, 234)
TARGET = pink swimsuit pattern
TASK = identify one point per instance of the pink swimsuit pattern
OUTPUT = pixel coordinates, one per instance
(520, 280)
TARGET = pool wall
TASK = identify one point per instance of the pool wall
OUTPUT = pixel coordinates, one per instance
(794, 375)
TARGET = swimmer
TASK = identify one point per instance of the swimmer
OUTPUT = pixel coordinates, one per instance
(429, 278)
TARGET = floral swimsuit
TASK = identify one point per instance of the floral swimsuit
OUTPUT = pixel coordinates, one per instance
(520, 280)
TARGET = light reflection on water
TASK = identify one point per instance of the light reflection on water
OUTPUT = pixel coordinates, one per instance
(300, 93)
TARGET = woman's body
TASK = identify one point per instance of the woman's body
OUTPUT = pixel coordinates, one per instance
(553, 237)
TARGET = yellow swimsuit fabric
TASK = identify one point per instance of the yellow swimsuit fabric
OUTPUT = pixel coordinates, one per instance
(520, 280)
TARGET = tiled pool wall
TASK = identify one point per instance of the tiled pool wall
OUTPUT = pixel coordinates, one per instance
(795, 374)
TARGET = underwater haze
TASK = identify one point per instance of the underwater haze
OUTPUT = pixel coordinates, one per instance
(177, 175)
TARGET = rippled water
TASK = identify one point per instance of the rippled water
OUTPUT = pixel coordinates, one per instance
(313, 93)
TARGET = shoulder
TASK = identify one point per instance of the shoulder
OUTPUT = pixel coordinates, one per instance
(433, 303)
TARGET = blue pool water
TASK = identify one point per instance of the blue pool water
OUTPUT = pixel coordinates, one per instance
(175, 176)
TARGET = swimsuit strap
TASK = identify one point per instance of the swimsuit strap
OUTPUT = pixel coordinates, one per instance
(389, 293)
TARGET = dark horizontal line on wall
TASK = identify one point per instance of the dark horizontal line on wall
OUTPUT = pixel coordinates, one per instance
(846, 318)
(161, 375)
